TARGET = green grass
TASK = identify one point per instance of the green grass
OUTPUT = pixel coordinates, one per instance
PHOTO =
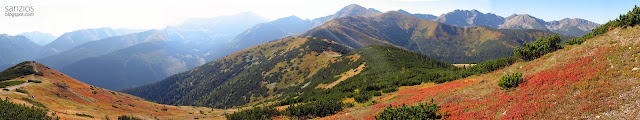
(10, 83)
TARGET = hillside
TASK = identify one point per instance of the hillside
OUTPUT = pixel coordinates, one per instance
(292, 25)
(134, 66)
(441, 41)
(245, 76)
(68, 98)
(69, 40)
(100, 47)
(595, 80)
(298, 71)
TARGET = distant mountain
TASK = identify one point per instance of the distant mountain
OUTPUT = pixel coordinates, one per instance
(204, 32)
(109, 62)
(421, 16)
(467, 18)
(133, 66)
(265, 32)
(350, 10)
(210, 35)
(288, 26)
(15, 49)
(72, 39)
(101, 47)
(437, 40)
(39, 37)
(573, 27)
(523, 21)
(58, 93)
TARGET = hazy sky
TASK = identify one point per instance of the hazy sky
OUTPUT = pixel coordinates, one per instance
(59, 16)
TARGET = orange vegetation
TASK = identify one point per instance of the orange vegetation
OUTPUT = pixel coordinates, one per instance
(66, 96)
(597, 79)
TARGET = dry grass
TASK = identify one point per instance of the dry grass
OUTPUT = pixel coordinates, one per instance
(66, 96)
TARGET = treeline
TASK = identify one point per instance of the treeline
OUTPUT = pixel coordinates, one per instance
(256, 113)
(630, 19)
(540, 47)
(12, 111)
(302, 111)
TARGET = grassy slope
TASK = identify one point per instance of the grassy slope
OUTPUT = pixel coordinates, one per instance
(66, 96)
(440, 41)
(592, 80)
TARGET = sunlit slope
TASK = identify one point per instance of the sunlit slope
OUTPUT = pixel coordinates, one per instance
(65, 97)
(597, 79)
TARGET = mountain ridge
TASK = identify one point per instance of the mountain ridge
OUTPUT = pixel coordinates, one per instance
(438, 40)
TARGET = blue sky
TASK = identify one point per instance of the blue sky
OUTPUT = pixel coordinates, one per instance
(60, 16)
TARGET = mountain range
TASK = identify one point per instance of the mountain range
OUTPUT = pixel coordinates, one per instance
(15, 49)
(207, 39)
(289, 26)
(293, 64)
(358, 63)
(465, 18)
(441, 41)
(39, 37)
(72, 39)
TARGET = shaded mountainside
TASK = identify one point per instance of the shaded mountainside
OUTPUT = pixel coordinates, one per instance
(134, 66)
(15, 49)
(68, 98)
(246, 76)
(71, 39)
(101, 47)
(297, 70)
(441, 41)
(145, 57)
(597, 79)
